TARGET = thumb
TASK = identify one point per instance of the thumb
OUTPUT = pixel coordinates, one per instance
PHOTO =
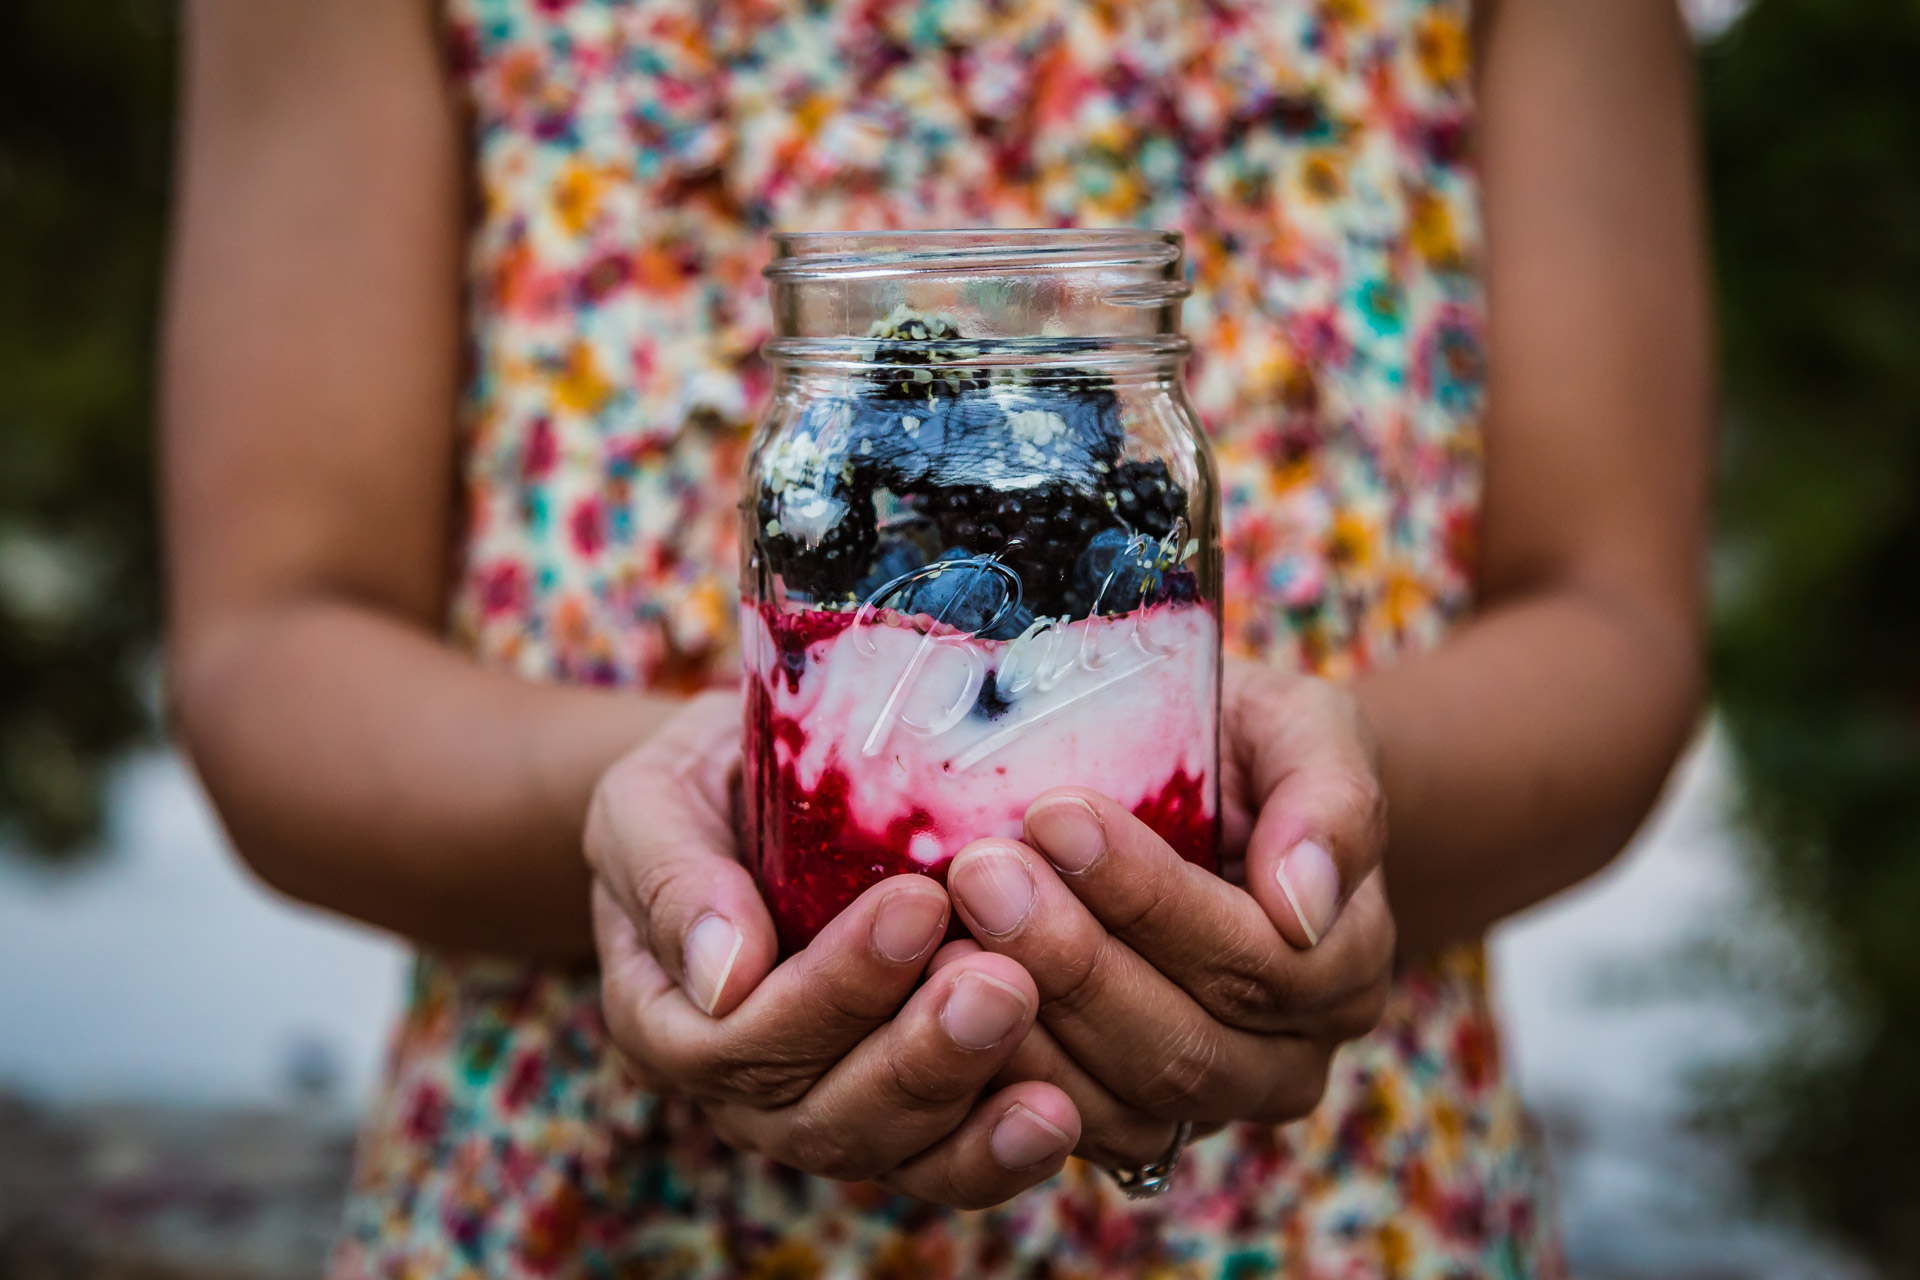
(1322, 823)
(661, 840)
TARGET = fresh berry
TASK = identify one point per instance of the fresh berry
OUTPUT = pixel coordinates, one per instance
(991, 705)
(1177, 586)
(1146, 498)
(1116, 572)
(971, 596)
(893, 560)
(819, 542)
(913, 358)
(1077, 435)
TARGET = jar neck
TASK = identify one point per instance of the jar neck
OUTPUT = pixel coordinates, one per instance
(983, 287)
(837, 365)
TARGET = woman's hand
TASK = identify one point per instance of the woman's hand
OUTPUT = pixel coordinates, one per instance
(1169, 994)
(833, 1062)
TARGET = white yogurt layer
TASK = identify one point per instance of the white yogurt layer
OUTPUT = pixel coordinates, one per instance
(1117, 704)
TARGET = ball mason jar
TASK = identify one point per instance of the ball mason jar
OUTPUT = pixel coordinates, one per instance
(980, 554)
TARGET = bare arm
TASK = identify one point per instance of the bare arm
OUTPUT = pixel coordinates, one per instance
(1520, 756)
(311, 372)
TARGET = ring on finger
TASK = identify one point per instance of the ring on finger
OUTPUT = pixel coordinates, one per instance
(1155, 1178)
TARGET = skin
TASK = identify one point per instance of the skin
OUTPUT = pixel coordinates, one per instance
(363, 765)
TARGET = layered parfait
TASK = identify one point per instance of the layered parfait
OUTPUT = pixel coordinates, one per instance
(964, 588)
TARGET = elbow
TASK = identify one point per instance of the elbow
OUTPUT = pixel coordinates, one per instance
(214, 714)
(1670, 670)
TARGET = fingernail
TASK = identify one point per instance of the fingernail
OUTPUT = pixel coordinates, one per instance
(1022, 1139)
(1069, 832)
(907, 923)
(996, 888)
(980, 1011)
(713, 945)
(1311, 884)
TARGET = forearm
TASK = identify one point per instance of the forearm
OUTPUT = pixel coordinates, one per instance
(362, 765)
(1520, 755)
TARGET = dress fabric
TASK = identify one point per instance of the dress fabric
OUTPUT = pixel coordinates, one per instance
(629, 159)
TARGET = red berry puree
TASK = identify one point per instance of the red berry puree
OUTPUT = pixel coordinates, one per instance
(879, 743)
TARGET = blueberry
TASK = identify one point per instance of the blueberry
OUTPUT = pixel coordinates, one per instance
(1116, 570)
(966, 596)
(991, 705)
(884, 449)
(1017, 620)
(895, 558)
(965, 441)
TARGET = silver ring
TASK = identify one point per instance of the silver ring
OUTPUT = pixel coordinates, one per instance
(1155, 1179)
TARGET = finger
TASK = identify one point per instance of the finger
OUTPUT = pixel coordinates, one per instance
(807, 1015)
(630, 978)
(1013, 1141)
(1323, 822)
(660, 837)
(1112, 1133)
(1127, 1024)
(1208, 936)
(909, 1084)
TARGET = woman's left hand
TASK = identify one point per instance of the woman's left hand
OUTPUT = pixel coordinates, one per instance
(1170, 994)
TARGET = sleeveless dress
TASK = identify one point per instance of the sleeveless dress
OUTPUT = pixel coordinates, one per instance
(629, 159)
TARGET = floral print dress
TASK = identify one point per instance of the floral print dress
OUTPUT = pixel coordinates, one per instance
(630, 157)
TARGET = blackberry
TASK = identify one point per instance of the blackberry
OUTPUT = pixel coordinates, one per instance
(1177, 586)
(912, 363)
(820, 543)
(1146, 497)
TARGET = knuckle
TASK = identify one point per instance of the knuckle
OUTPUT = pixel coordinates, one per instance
(925, 1085)
(948, 1187)
(814, 1147)
(1242, 999)
(1184, 1083)
(1358, 799)
(1073, 981)
(1153, 897)
(757, 1079)
(1243, 990)
(847, 1000)
(653, 884)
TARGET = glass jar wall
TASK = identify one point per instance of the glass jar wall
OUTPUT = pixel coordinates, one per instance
(980, 554)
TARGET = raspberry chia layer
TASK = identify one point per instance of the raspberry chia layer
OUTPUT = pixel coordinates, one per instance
(881, 743)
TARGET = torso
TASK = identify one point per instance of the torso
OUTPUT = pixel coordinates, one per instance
(630, 158)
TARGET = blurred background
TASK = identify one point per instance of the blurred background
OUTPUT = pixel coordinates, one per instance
(1720, 1035)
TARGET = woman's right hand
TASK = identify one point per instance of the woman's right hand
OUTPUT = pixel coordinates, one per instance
(832, 1062)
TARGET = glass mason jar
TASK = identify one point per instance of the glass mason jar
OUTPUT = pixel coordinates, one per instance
(980, 554)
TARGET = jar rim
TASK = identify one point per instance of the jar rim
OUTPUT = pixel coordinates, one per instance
(863, 355)
(815, 255)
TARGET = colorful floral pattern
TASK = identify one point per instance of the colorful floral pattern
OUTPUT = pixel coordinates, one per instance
(630, 158)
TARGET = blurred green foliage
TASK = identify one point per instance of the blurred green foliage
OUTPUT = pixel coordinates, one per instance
(1813, 136)
(85, 130)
